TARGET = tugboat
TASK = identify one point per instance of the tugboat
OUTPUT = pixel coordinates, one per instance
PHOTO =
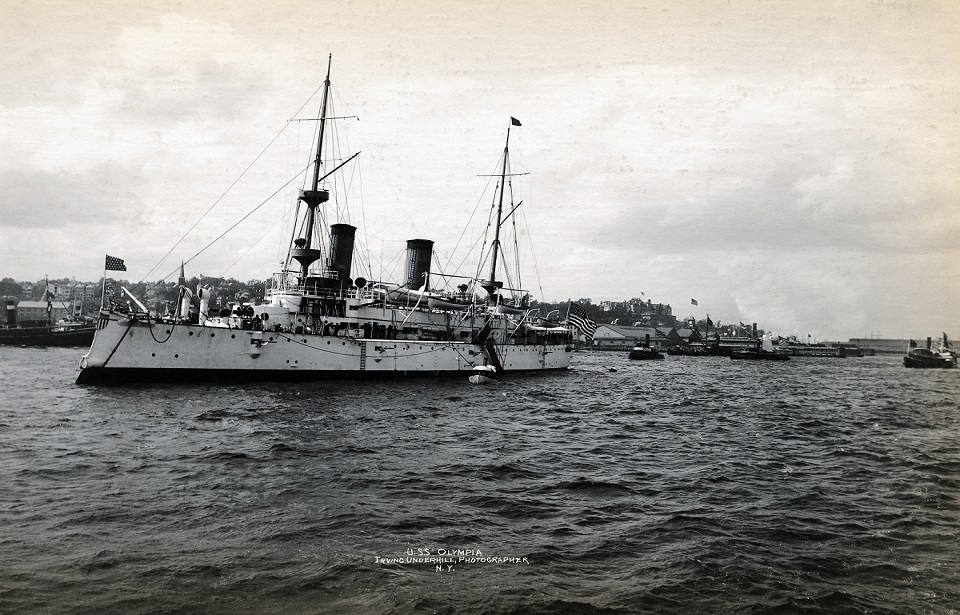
(318, 322)
(922, 358)
(645, 352)
(61, 333)
(64, 332)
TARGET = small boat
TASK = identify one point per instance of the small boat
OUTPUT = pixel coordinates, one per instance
(645, 353)
(547, 322)
(923, 358)
(764, 352)
(691, 350)
(447, 305)
(483, 374)
(512, 310)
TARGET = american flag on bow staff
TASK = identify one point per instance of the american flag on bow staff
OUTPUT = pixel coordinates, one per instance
(579, 319)
(114, 264)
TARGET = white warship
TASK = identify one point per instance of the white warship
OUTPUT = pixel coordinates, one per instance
(317, 322)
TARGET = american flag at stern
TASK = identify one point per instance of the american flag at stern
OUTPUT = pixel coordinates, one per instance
(579, 319)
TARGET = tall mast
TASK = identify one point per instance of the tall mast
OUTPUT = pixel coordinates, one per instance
(323, 118)
(312, 208)
(491, 286)
(303, 250)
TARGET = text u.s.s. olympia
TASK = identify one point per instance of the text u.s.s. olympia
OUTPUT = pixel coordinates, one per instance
(441, 556)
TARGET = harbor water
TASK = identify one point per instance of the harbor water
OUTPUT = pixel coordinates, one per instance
(688, 485)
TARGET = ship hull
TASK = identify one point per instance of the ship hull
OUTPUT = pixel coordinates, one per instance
(641, 353)
(47, 336)
(929, 363)
(123, 376)
(131, 350)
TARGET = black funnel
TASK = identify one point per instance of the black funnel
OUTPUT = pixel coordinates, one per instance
(341, 251)
(419, 255)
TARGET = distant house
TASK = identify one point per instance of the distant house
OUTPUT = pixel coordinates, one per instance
(36, 311)
(621, 337)
(684, 337)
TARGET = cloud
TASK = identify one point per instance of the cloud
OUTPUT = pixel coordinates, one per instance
(37, 200)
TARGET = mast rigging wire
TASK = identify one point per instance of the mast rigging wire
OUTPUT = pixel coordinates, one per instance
(229, 188)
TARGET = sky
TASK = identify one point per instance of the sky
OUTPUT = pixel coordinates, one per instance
(796, 165)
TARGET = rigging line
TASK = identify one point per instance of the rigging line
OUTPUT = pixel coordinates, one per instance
(516, 241)
(370, 257)
(476, 208)
(363, 218)
(483, 247)
(250, 213)
(393, 264)
(376, 162)
(490, 223)
(506, 274)
(472, 250)
(533, 256)
(229, 188)
(481, 239)
(225, 192)
(464, 232)
(283, 217)
(252, 246)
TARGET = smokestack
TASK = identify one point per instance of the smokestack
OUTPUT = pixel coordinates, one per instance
(419, 255)
(929, 343)
(754, 329)
(341, 251)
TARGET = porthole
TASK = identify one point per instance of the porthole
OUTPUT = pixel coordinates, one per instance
(191, 334)
(176, 356)
(213, 335)
(233, 336)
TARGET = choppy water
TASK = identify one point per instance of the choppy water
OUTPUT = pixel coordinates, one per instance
(691, 485)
